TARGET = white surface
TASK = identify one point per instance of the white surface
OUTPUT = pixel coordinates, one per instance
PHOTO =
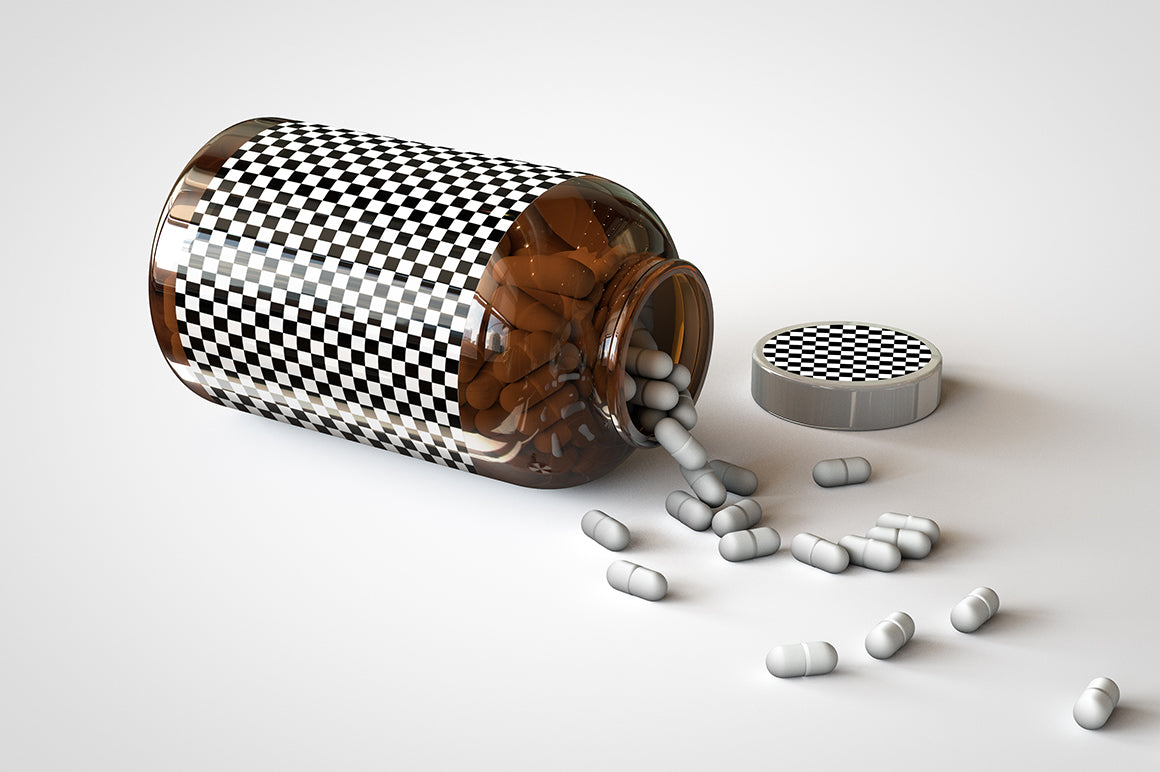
(183, 587)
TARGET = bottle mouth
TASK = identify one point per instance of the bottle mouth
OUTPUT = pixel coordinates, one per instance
(681, 322)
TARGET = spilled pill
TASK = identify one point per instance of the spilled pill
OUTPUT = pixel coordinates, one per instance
(746, 545)
(606, 531)
(676, 439)
(914, 545)
(685, 411)
(706, 485)
(689, 510)
(841, 471)
(746, 513)
(911, 523)
(890, 635)
(736, 479)
(971, 612)
(819, 553)
(637, 580)
(868, 553)
(1095, 705)
(801, 659)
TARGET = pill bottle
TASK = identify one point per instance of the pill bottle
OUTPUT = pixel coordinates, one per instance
(466, 310)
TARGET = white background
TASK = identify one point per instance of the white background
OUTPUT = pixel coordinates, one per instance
(184, 587)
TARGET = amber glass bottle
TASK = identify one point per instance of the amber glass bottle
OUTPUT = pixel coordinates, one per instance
(466, 310)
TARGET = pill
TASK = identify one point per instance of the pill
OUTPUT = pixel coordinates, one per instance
(841, 471)
(911, 523)
(521, 310)
(524, 352)
(642, 338)
(890, 635)
(819, 553)
(680, 377)
(630, 388)
(676, 439)
(606, 531)
(545, 272)
(1094, 707)
(706, 485)
(685, 411)
(914, 545)
(637, 580)
(801, 659)
(868, 553)
(646, 419)
(971, 612)
(689, 510)
(659, 395)
(483, 391)
(736, 479)
(648, 363)
(746, 513)
(749, 544)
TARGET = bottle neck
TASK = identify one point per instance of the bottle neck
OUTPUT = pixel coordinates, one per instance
(681, 324)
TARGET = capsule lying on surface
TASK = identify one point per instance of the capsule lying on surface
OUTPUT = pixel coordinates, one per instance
(914, 545)
(801, 659)
(833, 472)
(706, 485)
(1095, 705)
(637, 580)
(890, 635)
(689, 509)
(911, 523)
(746, 545)
(868, 553)
(746, 513)
(606, 531)
(971, 612)
(819, 553)
(737, 479)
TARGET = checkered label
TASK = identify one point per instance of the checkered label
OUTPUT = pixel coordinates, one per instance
(329, 275)
(847, 352)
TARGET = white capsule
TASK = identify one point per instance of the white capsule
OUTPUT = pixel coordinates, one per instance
(746, 545)
(646, 419)
(685, 411)
(914, 545)
(659, 395)
(629, 388)
(911, 523)
(801, 659)
(890, 635)
(676, 439)
(637, 580)
(746, 513)
(606, 531)
(689, 510)
(819, 553)
(737, 479)
(1094, 707)
(869, 553)
(680, 377)
(706, 485)
(648, 363)
(841, 471)
(971, 612)
(642, 338)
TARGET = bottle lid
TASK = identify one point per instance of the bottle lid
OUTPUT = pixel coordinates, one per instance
(846, 375)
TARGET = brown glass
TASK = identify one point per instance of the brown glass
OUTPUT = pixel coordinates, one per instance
(541, 374)
(541, 377)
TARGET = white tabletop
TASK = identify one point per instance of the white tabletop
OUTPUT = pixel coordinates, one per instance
(184, 587)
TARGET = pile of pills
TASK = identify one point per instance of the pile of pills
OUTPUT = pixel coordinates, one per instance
(893, 538)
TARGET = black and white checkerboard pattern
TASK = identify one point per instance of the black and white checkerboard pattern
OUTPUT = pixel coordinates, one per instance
(329, 276)
(847, 352)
